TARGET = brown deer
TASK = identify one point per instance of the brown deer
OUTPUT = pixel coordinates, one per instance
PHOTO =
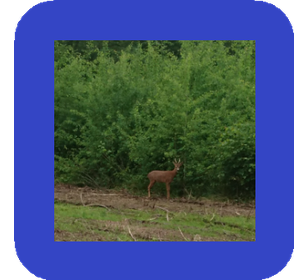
(163, 177)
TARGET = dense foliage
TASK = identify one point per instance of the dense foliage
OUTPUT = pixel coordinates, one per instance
(124, 108)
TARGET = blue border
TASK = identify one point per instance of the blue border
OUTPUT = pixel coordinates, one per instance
(34, 139)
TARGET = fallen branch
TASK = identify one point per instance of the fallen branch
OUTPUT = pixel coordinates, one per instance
(189, 195)
(162, 208)
(212, 217)
(182, 234)
(99, 205)
(131, 233)
(81, 199)
(167, 211)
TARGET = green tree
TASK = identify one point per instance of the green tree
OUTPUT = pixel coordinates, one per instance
(124, 108)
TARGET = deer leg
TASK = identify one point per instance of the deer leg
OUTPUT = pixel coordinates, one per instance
(168, 190)
(149, 188)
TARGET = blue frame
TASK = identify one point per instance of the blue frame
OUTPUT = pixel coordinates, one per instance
(34, 139)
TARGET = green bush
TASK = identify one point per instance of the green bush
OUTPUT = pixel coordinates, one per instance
(118, 118)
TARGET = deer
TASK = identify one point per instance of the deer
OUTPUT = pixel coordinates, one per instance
(163, 177)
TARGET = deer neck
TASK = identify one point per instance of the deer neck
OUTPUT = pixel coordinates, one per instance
(174, 171)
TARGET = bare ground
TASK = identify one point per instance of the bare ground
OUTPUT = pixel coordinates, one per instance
(120, 200)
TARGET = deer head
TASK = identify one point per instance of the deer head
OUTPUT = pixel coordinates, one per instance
(177, 164)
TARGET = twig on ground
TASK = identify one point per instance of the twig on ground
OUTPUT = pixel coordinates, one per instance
(212, 217)
(163, 208)
(151, 219)
(99, 205)
(73, 235)
(189, 195)
(182, 234)
(197, 237)
(81, 199)
(167, 217)
(167, 211)
(131, 233)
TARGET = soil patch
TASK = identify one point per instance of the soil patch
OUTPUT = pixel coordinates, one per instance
(121, 200)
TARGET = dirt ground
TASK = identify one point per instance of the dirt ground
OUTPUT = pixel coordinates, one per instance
(121, 200)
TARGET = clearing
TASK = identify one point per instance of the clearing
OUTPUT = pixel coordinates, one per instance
(85, 214)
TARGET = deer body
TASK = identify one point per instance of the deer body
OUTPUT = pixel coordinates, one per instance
(163, 177)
